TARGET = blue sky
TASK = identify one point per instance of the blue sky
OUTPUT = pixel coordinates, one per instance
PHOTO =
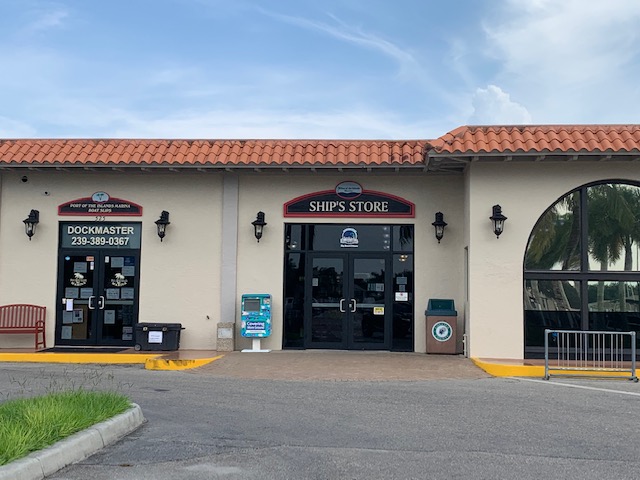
(344, 69)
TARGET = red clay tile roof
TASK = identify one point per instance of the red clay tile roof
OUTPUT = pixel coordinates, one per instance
(211, 153)
(467, 140)
(560, 139)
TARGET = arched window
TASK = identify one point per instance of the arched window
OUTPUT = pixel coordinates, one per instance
(581, 264)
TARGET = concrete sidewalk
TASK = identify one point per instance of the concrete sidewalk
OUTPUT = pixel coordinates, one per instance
(297, 364)
(303, 364)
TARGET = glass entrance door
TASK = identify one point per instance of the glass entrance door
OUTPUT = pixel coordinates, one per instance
(348, 304)
(97, 297)
(368, 307)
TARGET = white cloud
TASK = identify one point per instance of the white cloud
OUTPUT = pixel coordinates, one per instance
(568, 61)
(350, 34)
(266, 124)
(83, 119)
(47, 20)
(409, 67)
(493, 106)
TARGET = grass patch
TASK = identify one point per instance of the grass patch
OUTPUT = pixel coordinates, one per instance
(31, 424)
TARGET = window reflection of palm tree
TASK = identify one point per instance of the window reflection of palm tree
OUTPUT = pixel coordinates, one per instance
(613, 229)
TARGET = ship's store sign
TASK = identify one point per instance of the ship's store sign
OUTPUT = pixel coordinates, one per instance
(349, 199)
(100, 204)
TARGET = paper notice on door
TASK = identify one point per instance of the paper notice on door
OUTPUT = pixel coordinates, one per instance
(117, 262)
(78, 316)
(155, 337)
(314, 282)
(109, 317)
(402, 296)
(69, 305)
(378, 310)
(127, 293)
(129, 271)
(67, 317)
(86, 292)
(113, 293)
(65, 332)
(80, 267)
(71, 292)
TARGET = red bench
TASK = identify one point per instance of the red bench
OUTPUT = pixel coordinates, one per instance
(23, 318)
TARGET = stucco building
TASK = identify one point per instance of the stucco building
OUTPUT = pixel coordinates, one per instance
(349, 252)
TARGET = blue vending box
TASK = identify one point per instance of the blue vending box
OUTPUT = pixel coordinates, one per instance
(256, 315)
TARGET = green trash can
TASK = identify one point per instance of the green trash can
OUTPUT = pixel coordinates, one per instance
(158, 336)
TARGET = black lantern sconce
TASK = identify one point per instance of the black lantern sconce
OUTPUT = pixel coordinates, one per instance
(498, 220)
(258, 225)
(162, 223)
(31, 222)
(439, 225)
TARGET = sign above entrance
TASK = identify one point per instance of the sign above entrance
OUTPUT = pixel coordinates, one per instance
(100, 235)
(101, 204)
(349, 199)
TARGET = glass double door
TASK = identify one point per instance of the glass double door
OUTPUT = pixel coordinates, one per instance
(97, 297)
(348, 301)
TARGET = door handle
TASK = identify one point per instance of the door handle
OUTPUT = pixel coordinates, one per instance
(342, 310)
(90, 302)
(353, 308)
(101, 303)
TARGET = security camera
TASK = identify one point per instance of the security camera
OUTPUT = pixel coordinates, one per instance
(24, 179)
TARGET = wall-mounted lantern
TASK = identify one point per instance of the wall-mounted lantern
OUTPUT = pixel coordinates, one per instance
(439, 225)
(31, 222)
(162, 223)
(258, 225)
(498, 220)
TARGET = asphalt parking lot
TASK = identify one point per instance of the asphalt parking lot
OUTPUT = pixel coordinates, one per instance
(209, 424)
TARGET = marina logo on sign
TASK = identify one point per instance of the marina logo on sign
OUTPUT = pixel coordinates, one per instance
(348, 190)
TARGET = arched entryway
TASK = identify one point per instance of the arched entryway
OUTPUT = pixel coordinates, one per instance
(581, 268)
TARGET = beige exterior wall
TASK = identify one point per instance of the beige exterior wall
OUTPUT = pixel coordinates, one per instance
(438, 268)
(525, 191)
(179, 278)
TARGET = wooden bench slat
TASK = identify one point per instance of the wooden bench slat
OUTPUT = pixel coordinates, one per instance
(24, 318)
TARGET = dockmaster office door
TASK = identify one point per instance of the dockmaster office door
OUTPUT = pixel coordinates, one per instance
(98, 284)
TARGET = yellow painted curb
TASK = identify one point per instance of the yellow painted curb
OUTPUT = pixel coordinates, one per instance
(505, 370)
(76, 358)
(164, 364)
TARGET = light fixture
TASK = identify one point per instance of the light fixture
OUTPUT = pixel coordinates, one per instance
(31, 222)
(162, 223)
(498, 220)
(439, 225)
(258, 225)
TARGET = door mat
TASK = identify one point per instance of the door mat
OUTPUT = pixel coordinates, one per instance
(83, 350)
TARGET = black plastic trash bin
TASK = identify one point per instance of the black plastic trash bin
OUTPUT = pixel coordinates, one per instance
(158, 336)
